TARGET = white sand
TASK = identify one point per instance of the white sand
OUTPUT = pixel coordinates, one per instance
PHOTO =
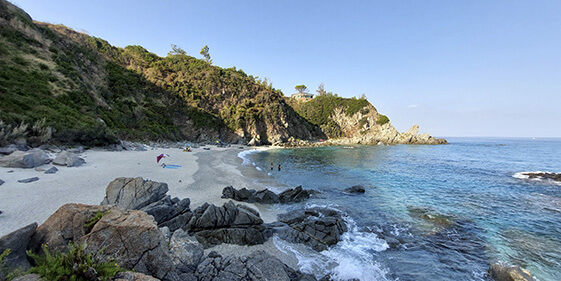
(25, 203)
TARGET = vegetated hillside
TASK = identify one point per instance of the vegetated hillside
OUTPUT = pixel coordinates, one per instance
(356, 121)
(90, 92)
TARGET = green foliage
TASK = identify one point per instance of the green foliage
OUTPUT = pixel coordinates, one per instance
(206, 54)
(302, 89)
(382, 119)
(76, 264)
(93, 220)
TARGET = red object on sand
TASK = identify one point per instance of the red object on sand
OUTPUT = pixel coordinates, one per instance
(159, 157)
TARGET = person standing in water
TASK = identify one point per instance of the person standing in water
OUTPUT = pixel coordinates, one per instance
(271, 166)
(279, 167)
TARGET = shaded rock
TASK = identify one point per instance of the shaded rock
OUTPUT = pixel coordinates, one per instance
(28, 180)
(25, 159)
(132, 146)
(17, 242)
(115, 147)
(258, 266)
(295, 195)
(316, 227)
(355, 189)
(213, 225)
(134, 193)
(173, 214)
(133, 276)
(68, 159)
(52, 170)
(501, 272)
(130, 237)
(7, 150)
(266, 196)
(2, 182)
(186, 252)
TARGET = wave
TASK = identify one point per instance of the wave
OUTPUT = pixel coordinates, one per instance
(539, 176)
(244, 155)
(352, 258)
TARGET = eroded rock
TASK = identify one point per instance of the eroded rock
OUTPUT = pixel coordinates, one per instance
(25, 159)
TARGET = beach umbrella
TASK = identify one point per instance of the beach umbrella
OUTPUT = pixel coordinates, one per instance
(159, 157)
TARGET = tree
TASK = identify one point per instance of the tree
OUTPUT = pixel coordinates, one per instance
(176, 50)
(321, 89)
(302, 89)
(206, 54)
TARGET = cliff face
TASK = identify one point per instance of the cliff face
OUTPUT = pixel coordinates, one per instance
(364, 127)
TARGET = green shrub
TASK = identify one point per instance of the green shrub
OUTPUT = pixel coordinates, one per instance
(76, 265)
(92, 221)
(382, 119)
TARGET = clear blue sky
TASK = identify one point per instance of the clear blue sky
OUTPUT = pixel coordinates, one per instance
(456, 68)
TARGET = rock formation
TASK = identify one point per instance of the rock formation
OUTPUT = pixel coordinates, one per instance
(501, 272)
(25, 159)
(68, 159)
(266, 196)
(355, 189)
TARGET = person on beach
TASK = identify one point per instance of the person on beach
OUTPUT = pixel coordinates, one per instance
(271, 166)
(279, 167)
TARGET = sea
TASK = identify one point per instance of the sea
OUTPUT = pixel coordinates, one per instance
(430, 212)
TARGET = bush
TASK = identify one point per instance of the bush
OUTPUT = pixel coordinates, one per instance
(382, 119)
(76, 264)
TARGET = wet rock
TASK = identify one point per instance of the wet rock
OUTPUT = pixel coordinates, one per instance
(355, 189)
(17, 242)
(25, 159)
(501, 272)
(52, 170)
(28, 180)
(213, 225)
(316, 227)
(431, 216)
(545, 176)
(68, 159)
(266, 196)
(295, 195)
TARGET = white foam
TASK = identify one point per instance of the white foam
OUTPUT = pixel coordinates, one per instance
(525, 176)
(258, 169)
(244, 155)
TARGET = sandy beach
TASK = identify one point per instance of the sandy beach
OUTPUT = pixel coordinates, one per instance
(25, 203)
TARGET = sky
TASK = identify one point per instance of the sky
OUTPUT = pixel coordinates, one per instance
(456, 68)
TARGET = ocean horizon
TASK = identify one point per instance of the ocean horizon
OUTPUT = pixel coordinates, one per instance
(430, 212)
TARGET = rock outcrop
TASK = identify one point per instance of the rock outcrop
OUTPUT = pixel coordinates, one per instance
(213, 225)
(17, 242)
(258, 266)
(25, 159)
(130, 237)
(316, 227)
(266, 196)
(501, 272)
(150, 197)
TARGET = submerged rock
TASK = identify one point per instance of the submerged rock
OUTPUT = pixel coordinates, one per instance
(316, 227)
(355, 189)
(501, 272)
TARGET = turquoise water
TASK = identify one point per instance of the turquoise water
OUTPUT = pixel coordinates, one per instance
(432, 212)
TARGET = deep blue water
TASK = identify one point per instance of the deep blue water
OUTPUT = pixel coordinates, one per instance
(440, 212)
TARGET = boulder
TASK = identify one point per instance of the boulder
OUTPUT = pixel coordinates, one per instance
(257, 266)
(17, 242)
(295, 195)
(316, 227)
(134, 193)
(7, 150)
(68, 159)
(186, 252)
(52, 170)
(171, 213)
(130, 237)
(2, 182)
(213, 225)
(28, 180)
(501, 272)
(25, 159)
(355, 189)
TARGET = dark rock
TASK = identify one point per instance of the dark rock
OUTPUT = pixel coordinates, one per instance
(266, 196)
(7, 150)
(258, 266)
(316, 227)
(431, 216)
(172, 213)
(115, 147)
(2, 182)
(185, 251)
(28, 180)
(17, 242)
(213, 225)
(544, 176)
(134, 193)
(501, 272)
(25, 159)
(68, 159)
(355, 189)
(52, 170)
